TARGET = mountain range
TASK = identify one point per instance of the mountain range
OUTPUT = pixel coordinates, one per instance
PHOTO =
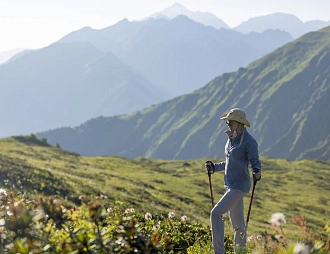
(276, 21)
(100, 77)
(120, 69)
(284, 94)
(281, 21)
(61, 85)
(179, 55)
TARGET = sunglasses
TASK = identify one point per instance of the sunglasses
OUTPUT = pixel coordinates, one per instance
(230, 123)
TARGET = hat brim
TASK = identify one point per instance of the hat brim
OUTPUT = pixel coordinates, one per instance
(226, 117)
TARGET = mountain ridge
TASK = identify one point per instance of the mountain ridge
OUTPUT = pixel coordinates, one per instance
(119, 70)
(205, 18)
(281, 21)
(185, 45)
(278, 21)
(60, 86)
(276, 91)
(209, 19)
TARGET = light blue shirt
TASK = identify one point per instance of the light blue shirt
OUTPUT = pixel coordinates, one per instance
(238, 156)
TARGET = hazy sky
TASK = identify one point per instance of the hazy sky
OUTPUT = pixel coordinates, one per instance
(38, 23)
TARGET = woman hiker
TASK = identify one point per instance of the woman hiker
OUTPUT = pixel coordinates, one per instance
(240, 150)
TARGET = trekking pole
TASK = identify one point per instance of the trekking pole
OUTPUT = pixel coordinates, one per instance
(210, 172)
(249, 211)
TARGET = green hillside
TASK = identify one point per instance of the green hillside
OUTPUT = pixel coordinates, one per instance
(34, 167)
(284, 94)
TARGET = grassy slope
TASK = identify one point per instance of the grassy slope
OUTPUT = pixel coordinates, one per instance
(161, 186)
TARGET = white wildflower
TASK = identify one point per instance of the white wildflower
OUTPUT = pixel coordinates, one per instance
(129, 210)
(148, 216)
(250, 238)
(156, 226)
(3, 194)
(171, 215)
(184, 218)
(277, 219)
(301, 248)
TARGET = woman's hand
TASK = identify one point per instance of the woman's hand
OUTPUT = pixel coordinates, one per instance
(257, 176)
(209, 165)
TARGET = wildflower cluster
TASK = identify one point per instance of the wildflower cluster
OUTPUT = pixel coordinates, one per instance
(278, 243)
(46, 225)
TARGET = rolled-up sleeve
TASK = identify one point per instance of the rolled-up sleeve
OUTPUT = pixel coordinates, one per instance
(219, 166)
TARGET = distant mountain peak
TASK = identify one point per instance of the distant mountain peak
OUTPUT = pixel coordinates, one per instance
(178, 5)
(175, 9)
(275, 17)
(205, 18)
(281, 21)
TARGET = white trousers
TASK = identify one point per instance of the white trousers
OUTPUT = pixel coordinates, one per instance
(231, 202)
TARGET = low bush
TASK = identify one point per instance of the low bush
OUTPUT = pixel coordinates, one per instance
(46, 225)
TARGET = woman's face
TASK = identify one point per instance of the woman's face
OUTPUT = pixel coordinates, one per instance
(233, 125)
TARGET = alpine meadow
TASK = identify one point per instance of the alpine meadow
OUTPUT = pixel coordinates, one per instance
(106, 133)
(62, 202)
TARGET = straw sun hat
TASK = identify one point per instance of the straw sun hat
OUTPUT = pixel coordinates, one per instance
(237, 115)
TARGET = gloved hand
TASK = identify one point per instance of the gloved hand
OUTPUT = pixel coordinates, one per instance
(209, 165)
(256, 176)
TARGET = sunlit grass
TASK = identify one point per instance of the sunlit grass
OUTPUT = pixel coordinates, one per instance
(160, 186)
